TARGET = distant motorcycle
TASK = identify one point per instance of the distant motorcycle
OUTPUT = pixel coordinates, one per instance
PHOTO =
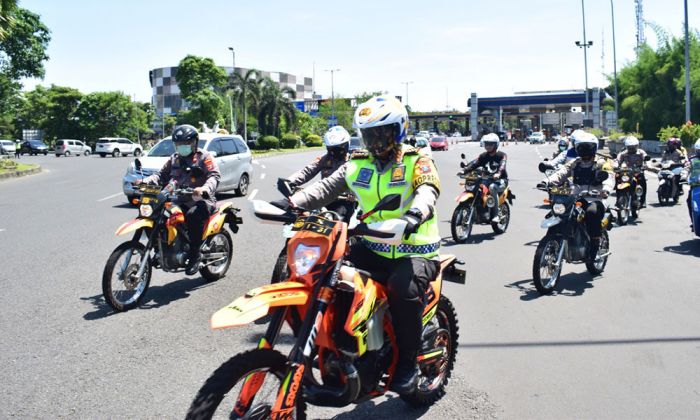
(629, 193)
(127, 273)
(474, 204)
(669, 182)
(567, 239)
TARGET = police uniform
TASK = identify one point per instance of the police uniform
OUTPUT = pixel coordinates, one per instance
(636, 161)
(495, 161)
(407, 268)
(208, 175)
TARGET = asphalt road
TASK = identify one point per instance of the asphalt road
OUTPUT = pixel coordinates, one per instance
(623, 345)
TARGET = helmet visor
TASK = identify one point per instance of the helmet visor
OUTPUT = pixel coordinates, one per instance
(379, 140)
(338, 152)
(586, 149)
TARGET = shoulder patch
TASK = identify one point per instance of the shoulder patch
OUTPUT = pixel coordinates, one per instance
(410, 151)
(360, 154)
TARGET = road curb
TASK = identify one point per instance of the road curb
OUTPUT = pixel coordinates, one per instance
(291, 152)
(16, 174)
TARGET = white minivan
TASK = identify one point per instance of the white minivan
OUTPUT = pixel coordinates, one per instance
(67, 147)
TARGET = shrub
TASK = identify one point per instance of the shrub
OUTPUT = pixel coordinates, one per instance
(313, 140)
(268, 142)
(290, 141)
(688, 133)
(596, 132)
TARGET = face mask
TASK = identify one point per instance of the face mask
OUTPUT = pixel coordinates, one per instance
(183, 149)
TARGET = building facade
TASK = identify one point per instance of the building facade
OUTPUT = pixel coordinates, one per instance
(166, 97)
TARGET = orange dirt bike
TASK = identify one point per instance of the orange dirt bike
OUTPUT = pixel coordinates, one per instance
(344, 350)
(127, 274)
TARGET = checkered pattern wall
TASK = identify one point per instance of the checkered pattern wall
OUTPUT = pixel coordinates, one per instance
(166, 94)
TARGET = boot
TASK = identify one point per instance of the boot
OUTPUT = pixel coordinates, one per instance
(593, 248)
(406, 375)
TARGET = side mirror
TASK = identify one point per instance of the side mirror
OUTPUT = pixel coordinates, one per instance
(647, 158)
(614, 155)
(284, 187)
(462, 165)
(542, 167)
(137, 164)
(390, 202)
(463, 157)
(546, 159)
(601, 176)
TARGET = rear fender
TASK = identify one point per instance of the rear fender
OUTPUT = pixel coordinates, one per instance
(257, 303)
(216, 221)
(133, 225)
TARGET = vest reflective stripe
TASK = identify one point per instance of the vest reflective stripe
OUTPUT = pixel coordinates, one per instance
(370, 187)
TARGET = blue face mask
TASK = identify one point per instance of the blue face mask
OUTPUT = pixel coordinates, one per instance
(183, 149)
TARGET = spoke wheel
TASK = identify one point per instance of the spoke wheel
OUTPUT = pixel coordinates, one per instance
(597, 266)
(504, 219)
(220, 252)
(463, 221)
(545, 271)
(121, 287)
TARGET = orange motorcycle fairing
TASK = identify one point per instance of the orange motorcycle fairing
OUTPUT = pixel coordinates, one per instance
(257, 303)
(176, 217)
(504, 195)
(484, 193)
(216, 221)
(464, 196)
(317, 231)
(134, 225)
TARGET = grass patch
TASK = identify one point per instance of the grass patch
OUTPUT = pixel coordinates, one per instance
(283, 151)
(18, 167)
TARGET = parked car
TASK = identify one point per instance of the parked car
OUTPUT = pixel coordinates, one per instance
(67, 147)
(536, 138)
(423, 133)
(356, 143)
(231, 154)
(117, 147)
(33, 147)
(7, 147)
(438, 142)
(423, 147)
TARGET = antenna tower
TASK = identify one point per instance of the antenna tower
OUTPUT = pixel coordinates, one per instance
(640, 23)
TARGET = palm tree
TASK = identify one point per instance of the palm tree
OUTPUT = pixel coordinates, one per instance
(7, 8)
(247, 91)
(274, 105)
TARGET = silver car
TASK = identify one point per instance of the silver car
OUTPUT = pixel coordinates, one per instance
(7, 147)
(67, 147)
(230, 152)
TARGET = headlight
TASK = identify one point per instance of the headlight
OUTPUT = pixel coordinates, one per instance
(145, 210)
(305, 257)
(625, 178)
(558, 208)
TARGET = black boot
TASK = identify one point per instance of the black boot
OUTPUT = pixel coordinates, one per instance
(406, 375)
(593, 248)
(193, 262)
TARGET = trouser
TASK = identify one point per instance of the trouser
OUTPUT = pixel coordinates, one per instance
(496, 189)
(406, 280)
(17, 152)
(344, 208)
(643, 184)
(196, 215)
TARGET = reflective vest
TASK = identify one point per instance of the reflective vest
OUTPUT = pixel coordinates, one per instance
(370, 186)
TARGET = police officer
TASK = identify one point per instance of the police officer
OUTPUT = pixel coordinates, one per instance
(583, 170)
(634, 158)
(390, 167)
(495, 161)
(18, 146)
(337, 141)
(194, 168)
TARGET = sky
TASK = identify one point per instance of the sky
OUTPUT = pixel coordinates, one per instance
(447, 49)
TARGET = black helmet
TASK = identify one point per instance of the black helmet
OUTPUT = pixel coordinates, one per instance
(185, 134)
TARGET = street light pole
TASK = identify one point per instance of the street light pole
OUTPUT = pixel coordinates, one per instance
(230, 98)
(612, 12)
(407, 83)
(687, 66)
(332, 93)
(585, 45)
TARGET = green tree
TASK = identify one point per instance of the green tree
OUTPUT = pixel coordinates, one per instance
(248, 92)
(308, 125)
(50, 109)
(365, 96)
(7, 9)
(275, 105)
(343, 111)
(111, 114)
(207, 106)
(195, 74)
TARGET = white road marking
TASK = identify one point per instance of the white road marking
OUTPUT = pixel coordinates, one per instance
(262, 176)
(255, 161)
(111, 196)
(2, 230)
(252, 195)
(262, 166)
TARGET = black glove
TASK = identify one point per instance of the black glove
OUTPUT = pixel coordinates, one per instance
(413, 218)
(283, 204)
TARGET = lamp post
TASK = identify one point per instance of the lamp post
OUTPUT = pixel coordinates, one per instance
(407, 83)
(585, 45)
(332, 93)
(230, 98)
(612, 12)
(687, 66)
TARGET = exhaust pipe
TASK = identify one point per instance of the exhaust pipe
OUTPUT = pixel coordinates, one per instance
(335, 397)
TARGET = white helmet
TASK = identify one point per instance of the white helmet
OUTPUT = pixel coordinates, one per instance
(696, 147)
(586, 144)
(383, 123)
(491, 138)
(631, 141)
(336, 136)
(578, 135)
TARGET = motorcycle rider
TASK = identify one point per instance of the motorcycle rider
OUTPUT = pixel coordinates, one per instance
(195, 168)
(493, 160)
(583, 171)
(677, 154)
(634, 158)
(390, 167)
(694, 178)
(562, 146)
(337, 141)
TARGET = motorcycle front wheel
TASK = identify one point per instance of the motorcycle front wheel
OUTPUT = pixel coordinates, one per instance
(121, 288)
(623, 212)
(545, 271)
(218, 259)
(463, 221)
(259, 374)
(281, 271)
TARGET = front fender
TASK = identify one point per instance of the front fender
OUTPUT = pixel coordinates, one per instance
(134, 225)
(549, 222)
(464, 196)
(257, 303)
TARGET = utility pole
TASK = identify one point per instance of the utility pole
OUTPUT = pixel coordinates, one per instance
(332, 93)
(585, 45)
(612, 12)
(407, 83)
(687, 66)
(230, 98)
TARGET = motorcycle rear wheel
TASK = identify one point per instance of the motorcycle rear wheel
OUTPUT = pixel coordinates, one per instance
(462, 221)
(433, 379)
(220, 242)
(120, 300)
(504, 216)
(234, 372)
(597, 266)
(544, 274)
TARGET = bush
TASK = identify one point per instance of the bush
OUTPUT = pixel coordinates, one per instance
(313, 140)
(290, 141)
(688, 133)
(268, 142)
(596, 132)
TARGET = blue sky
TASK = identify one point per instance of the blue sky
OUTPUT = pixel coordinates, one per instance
(446, 48)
